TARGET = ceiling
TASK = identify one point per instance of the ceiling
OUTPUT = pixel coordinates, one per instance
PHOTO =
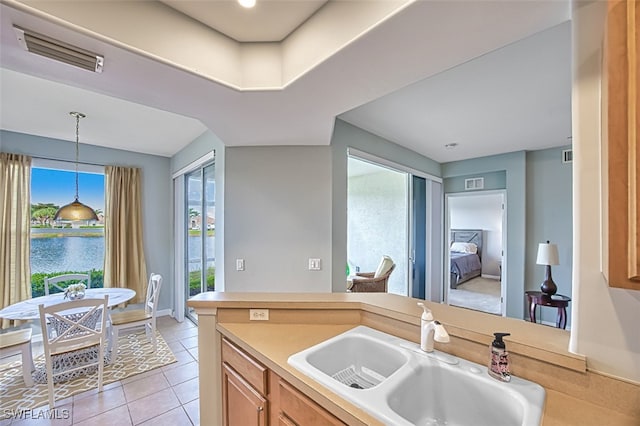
(267, 21)
(502, 85)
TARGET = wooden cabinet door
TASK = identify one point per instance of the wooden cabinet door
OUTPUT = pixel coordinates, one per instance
(285, 421)
(242, 405)
(298, 409)
(622, 52)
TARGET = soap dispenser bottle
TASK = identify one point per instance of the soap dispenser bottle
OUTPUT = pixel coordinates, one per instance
(499, 358)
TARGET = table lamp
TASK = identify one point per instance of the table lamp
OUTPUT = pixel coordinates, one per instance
(548, 255)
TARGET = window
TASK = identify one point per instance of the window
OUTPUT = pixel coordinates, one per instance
(58, 248)
(200, 217)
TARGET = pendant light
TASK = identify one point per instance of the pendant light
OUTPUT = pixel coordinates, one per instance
(76, 211)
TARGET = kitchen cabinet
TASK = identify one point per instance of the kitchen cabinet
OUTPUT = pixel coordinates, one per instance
(244, 384)
(621, 119)
(295, 408)
(254, 396)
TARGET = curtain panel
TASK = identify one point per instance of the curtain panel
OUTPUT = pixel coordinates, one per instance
(124, 260)
(15, 228)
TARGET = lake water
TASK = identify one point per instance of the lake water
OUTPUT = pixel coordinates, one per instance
(67, 254)
(83, 253)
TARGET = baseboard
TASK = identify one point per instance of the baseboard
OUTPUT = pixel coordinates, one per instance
(491, 277)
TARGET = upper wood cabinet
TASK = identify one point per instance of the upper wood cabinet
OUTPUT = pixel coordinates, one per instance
(622, 119)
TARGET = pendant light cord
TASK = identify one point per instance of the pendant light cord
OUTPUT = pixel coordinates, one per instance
(77, 150)
(78, 116)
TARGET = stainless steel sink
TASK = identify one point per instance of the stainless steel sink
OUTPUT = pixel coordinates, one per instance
(394, 381)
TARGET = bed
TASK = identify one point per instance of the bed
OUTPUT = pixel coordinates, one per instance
(466, 255)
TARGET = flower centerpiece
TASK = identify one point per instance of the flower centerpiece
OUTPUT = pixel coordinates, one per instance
(75, 291)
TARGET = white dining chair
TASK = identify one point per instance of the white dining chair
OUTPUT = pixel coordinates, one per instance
(145, 317)
(76, 339)
(18, 342)
(53, 281)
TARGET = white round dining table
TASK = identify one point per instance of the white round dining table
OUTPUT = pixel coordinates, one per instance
(28, 309)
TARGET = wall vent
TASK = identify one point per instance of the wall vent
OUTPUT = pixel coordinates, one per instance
(567, 156)
(473, 184)
(58, 50)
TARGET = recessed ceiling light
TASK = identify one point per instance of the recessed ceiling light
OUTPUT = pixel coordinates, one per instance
(451, 145)
(247, 3)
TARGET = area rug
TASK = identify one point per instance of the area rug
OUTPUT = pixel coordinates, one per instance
(480, 294)
(135, 356)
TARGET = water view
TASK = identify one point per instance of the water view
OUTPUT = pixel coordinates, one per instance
(75, 253)
(67, 254)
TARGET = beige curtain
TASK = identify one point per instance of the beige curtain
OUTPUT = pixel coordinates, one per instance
(124, 260)
(15, 226)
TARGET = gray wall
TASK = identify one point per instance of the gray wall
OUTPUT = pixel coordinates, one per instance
(346, 136)
(538, 199)
(199, 147)
(278, 215)
(492, 180)
(549, 203)
(514, 166)
(156, 190)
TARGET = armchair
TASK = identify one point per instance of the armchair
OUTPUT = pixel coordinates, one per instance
(373, 281)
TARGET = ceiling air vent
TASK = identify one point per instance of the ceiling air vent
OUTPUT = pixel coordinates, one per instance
(567, 156)
(58, 50)
(473, 184)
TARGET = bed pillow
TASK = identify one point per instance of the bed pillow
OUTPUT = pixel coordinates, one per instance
(460, 247)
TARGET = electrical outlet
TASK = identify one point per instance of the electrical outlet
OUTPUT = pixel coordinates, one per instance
(239, 264)
(259, 314)
(314, 264)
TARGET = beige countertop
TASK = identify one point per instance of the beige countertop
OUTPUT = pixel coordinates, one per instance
(273, 342)
(530, 339)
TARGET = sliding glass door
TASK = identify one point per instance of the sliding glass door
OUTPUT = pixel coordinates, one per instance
(391, 210)
(200, 232)
(378, 220)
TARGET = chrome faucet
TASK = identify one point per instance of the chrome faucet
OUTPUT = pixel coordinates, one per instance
(430, 330)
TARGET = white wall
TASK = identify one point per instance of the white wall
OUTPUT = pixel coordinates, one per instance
(481, 211)
(605, 320)
(378, 223)
(277, 216)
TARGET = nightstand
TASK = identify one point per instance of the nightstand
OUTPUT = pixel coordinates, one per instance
(558, 301)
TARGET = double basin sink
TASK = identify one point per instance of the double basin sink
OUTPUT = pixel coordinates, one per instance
(397, 383)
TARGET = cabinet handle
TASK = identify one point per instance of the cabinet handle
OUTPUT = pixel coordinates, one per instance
(260, 409)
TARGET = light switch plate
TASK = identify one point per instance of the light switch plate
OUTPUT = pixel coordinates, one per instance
(239, 264)
(315, 264)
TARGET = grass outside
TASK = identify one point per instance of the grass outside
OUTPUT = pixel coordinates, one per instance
(198, 232)
(97, 281)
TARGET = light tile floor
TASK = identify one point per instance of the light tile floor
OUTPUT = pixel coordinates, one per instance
(164, 396)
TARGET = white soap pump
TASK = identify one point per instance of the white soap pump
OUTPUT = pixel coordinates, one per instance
(430, 330)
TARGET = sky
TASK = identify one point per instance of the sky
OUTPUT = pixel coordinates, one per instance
(59, 187)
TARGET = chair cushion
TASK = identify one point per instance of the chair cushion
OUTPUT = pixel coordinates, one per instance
(385, 265)
(125, 317)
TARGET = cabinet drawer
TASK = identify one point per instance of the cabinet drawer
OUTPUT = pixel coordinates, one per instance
(250, 369)
(301, 410)
(243, 405)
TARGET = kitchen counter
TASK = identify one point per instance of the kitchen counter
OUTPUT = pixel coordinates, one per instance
(298, 321)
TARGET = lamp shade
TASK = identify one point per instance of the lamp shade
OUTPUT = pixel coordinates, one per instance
(75, 211)
(548, 254)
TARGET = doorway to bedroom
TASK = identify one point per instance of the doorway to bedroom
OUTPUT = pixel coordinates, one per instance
(476, 242)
